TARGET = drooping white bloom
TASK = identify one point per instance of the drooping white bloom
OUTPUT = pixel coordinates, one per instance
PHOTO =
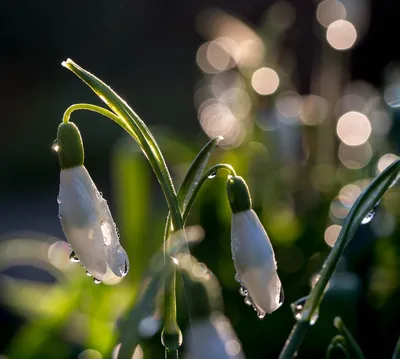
(84, 213)
(212, 338)
(88, 225)
(252, 252)
(255, 263)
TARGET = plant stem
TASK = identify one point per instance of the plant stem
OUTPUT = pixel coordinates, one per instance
(295, 339)
(352, 344)
(170, 285)
(171, 354)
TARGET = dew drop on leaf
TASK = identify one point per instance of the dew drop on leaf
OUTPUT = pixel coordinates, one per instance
(370, 215)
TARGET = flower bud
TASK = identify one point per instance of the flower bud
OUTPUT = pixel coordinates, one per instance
(70, 146)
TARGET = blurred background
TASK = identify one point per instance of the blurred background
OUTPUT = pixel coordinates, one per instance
(306, 95)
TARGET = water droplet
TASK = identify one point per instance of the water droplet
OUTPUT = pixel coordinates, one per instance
(297, 309)
(248, 301)
(96, 281)
(237, 278)
(124, 270)
(73, 257)
(58, 200)
(370, 215)
(55, 147)
(60, 216)
(88, 273)
(243, 291)
(260, 315)
(212, 174)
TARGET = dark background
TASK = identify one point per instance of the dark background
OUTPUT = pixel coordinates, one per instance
(146, 50)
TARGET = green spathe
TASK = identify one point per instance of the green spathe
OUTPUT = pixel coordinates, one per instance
(70, 146)
(238, 194)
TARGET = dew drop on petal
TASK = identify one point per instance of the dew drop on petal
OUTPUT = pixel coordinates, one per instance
(260, 315)
(125, 269)
(60, 216)
(96, 281)
(248, 301)
(243, 291)
(212, 175)
(237, 278)
(73, 257)
(58, 200)
(88, 273)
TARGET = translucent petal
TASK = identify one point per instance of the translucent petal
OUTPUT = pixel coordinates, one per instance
(254, 261)
(88, 224)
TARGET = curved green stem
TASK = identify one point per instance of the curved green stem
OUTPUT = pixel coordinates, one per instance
(211, 172)
(353, 346)
(94, 108)
(170, 324)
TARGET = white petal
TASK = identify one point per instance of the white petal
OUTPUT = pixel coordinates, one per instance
(88, 224)
(213, 338)
(254, 261)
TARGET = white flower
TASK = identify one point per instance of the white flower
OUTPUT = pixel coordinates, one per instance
(88, 225)
(212, 338)
(255, 263)
(252, 252)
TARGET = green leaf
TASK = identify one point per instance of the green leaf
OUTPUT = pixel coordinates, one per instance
(195, 172)
(133, 124)
(191, 181)
(364, 204)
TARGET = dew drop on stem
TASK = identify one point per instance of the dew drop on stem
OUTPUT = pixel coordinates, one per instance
(212, 174)
(297, 309)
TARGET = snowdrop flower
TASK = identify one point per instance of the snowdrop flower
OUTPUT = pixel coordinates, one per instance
(85, 217)
(213, 338)
(252, 252)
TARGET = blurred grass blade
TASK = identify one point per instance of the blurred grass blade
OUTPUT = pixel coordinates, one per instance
(396, 353)
(352, 344)
(158, 272)
(363, 205)
(131, 180)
